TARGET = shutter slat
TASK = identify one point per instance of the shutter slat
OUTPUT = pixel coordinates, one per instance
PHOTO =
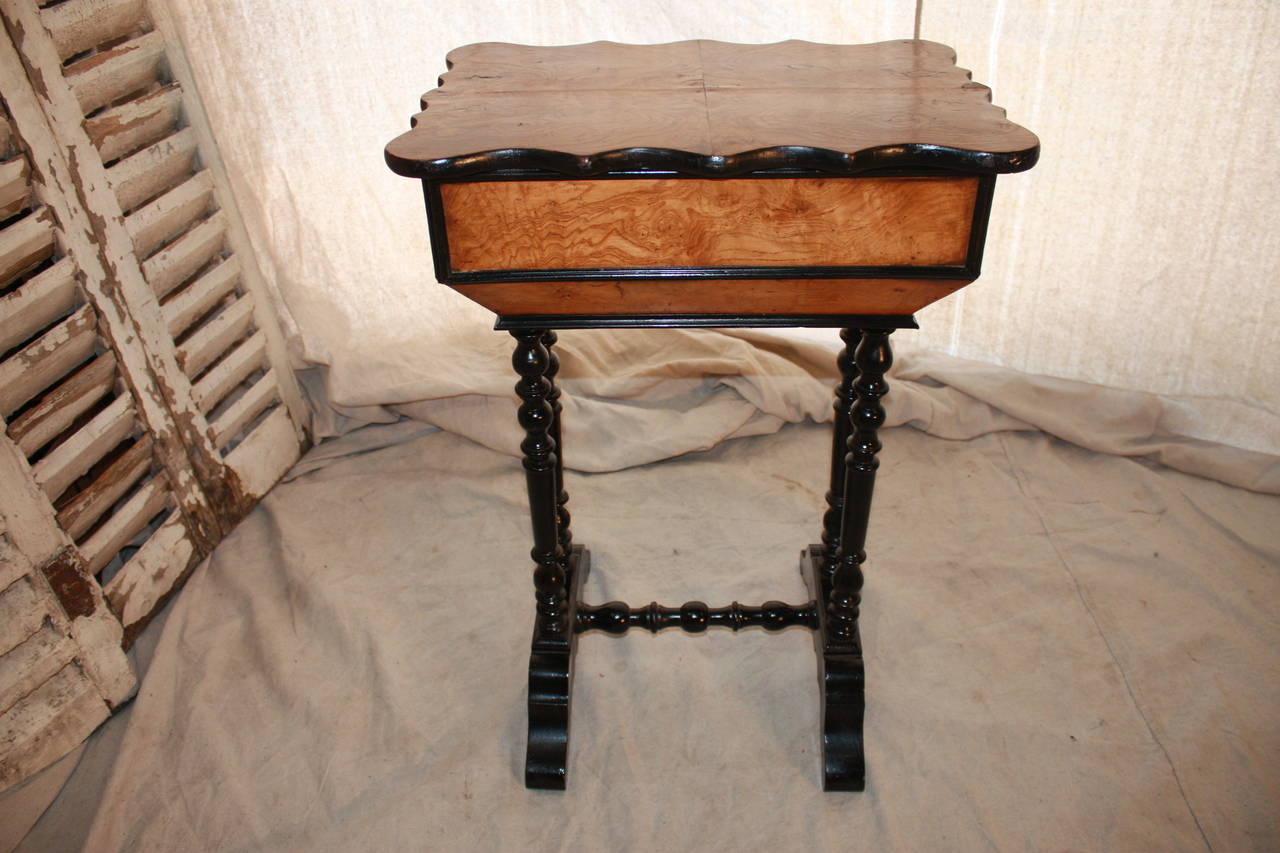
(198, 298)
(47, 359)
(38, 302)
(112, 74)
(25, 243)
(111, 485)
(21, 613)
(77, 25)
(12, 564)
(71, 459)
(178, 261)
(124, 524)
(265, 454)
(153, 225)
(241, 413)
(47, 723)
(213, 338)
(230, 372)
(124, 129)
(150, 575)
(143, 175)
(60, 407)
(33, 662)
(15, 186)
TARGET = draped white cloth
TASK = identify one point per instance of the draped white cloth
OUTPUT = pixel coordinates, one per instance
(638, 397)
(1065, 650)
(1139, 254)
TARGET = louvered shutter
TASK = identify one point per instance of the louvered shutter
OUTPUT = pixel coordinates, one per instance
(72, 450)
(144, 386)
(116, 91)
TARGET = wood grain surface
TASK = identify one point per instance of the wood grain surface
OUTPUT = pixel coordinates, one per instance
(741, 296)
(687, 222)
(708, 108)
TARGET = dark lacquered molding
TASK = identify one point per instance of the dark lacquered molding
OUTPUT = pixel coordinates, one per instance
(634, 174)
(705, 321)
(969, 271)
(978, 229)
(951, 273)
(436, 230)
(824, 160)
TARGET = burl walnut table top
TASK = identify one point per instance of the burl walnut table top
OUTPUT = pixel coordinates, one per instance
(708, 108)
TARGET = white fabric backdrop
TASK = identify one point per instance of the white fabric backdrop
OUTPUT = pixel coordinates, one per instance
(1138, 254)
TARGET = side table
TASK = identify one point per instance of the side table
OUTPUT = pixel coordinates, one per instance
(702, 183)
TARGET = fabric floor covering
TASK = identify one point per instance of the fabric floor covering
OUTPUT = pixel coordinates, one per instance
(1066, 650)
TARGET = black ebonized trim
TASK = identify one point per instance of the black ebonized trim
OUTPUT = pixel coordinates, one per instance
(978, 229)
(703, 321)
(647, 174)
(951, 273)
(437, 231)
(825, 160)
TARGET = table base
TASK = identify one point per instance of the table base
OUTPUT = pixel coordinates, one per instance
(840, 670)
(832, 570)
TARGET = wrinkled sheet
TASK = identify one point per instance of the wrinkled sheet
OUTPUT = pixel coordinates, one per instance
(1066, 650)
(638, 396)
(361, 638)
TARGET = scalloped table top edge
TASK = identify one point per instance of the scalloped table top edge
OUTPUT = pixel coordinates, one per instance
(709, 109)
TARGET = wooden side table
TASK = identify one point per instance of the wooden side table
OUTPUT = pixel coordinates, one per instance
(702, 183)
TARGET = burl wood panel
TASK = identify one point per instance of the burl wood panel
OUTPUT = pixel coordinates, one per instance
(739, 296)
(688, 222)
(708, 108)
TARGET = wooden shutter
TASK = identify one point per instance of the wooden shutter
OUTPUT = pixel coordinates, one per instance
(144, 384)
(117, 94)
(72, 449)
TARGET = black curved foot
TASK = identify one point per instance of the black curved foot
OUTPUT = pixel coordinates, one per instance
(843, 765)
(551, 689)
(840, 678)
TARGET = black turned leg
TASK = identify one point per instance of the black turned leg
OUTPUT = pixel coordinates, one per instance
(558, 572)
(531, 360)
(872, 358)
(836, 576)
(841, 427)
(562, 497)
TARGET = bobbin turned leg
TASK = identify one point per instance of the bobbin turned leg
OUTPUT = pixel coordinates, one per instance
(840, 429)
(835, 574)
(549, 339)
(557, 574)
